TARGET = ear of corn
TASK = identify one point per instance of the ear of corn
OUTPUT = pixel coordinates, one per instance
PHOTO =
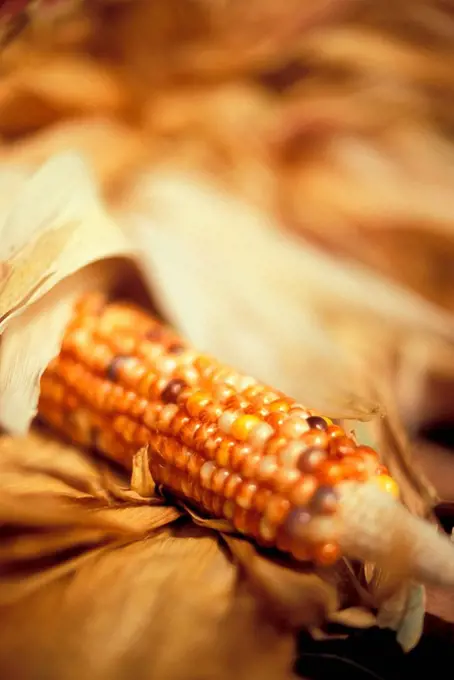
(232, 447)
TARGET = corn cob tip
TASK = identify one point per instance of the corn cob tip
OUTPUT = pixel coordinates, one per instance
(373, 525)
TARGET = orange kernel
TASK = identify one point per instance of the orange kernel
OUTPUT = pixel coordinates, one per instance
(197, 402)
(277, 509)
(326, 554)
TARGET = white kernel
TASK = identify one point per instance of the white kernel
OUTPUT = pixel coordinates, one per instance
(294, 427)
(260, 434)
(267, 467)
(222, 392)
(245, 381)
(189, 375)
(165, 365)
(291, 452)
(226, 421)
(168, 412)
(231, 380)
(206, 472)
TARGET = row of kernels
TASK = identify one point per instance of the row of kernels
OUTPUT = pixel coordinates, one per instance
(100, 394)
(239, 458)
(240, 499)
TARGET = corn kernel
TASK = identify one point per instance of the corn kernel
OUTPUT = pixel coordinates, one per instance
(243, 426)
(387, 484)
(197, 402)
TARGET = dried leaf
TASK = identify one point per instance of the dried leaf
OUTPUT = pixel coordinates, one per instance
(141, 480)
(74, 201)
(354, 617)
(68, 232)
(78, 566)
(182, 223)
(151, 590)
(404, 613)
(299, 597)
(73, 83)
(112, 149)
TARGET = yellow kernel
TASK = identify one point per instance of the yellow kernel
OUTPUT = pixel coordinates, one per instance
(387, 484)
(243, 426)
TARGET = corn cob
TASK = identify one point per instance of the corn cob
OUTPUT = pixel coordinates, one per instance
(219, 440)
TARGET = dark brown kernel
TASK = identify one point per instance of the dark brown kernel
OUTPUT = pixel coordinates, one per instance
(172, 391)
(325, 500)
(112, 372)
(317, 423)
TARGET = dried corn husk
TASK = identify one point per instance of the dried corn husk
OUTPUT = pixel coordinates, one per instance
(48, 256)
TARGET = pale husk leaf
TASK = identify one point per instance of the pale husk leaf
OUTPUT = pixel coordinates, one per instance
(70, 540)
(54, 236)
(291, 315)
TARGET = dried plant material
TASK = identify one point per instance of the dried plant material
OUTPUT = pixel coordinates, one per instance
(212, 41)
(404, 613)
(152, 588)
(49, 245)
(183, 224)
(300, 598)
(55, 502)
(437, 464)
(182, 578)
(141, 480)
(111, 148)
(441, 604)
(418, 493)
(71, 84)
(355, 617)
